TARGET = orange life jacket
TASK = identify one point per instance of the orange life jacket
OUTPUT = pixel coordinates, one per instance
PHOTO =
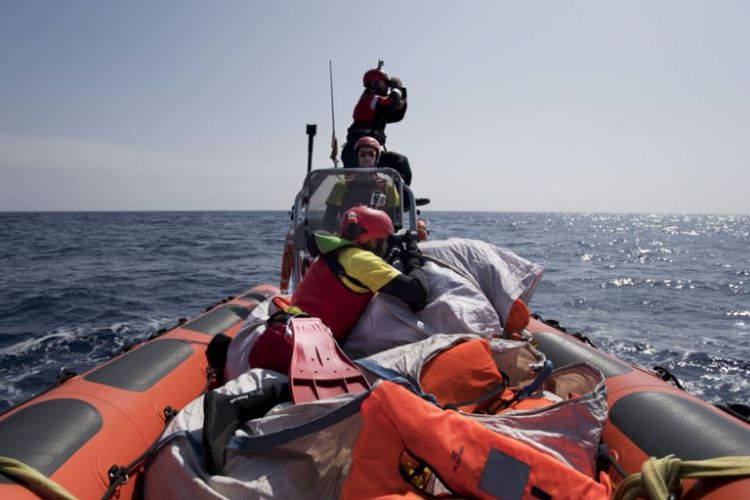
(404, 440)
(466, 372)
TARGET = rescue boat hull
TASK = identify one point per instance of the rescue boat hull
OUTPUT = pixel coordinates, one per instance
(649, 417)
(87, 432)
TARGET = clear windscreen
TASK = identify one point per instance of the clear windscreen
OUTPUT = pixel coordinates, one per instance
(332, 193)
(327, 194)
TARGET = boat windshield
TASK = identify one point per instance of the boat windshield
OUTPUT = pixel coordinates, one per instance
(328, 193)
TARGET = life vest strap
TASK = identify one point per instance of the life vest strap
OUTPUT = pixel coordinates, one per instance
(519, 396)
(494, 392)
(397, 378)
(333, 263)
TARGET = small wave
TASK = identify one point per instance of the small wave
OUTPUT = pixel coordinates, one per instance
(143, 264)
(737, 288)
(10, 391)
(95, 336)
(120, 328)
(645, 348)
(12, 381)
(79, 291)
(680, 284)
(41, 301)
(715, 364)
(140, 327)
(33, 344)
(673, 284)
(620, 282)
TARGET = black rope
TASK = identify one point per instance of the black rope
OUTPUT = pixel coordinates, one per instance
(668, 376)
(556, 324)
(614, 463)
(158, 333)
(119, 475)
(550, 322)
(218, 303)
(583, 338)
(65, 375)
(604, 460)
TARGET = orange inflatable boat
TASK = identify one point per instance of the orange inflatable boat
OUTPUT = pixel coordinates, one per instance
(650, 417)
(91, 432)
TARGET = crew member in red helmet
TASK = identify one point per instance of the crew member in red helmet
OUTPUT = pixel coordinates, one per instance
(348, 271)
(383, 101)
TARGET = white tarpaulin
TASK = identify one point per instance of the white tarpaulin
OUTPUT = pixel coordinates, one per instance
(473, 285)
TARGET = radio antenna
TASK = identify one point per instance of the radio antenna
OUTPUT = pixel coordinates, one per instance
(334, 141)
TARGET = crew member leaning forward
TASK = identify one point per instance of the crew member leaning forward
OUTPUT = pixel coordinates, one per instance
(349, 270)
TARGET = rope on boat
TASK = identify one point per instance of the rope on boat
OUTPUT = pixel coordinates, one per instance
(36, 481)
(660, 477)
(119, 475)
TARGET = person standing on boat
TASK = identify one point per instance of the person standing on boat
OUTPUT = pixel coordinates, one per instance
(348, 272)
(383, 101)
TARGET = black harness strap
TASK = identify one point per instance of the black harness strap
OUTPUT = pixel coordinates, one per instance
(335, 266)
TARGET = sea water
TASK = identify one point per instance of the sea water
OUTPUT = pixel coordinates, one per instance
(668, 290)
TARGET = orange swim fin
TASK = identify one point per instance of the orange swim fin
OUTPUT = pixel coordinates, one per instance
(319, 368)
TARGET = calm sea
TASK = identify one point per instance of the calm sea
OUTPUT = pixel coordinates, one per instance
(671, 290)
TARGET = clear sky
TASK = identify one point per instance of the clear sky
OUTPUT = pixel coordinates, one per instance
(636, 106)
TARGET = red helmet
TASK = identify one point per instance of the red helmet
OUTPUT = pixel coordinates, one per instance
(374, 76)
(368, 142)
(362, 224)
